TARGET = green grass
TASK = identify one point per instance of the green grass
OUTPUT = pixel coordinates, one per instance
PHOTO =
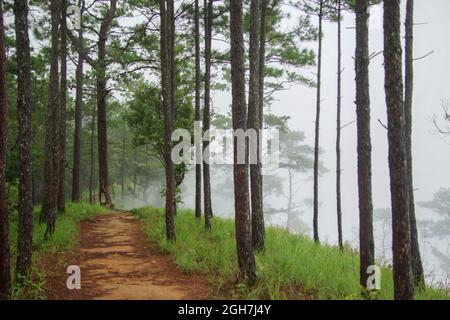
(65, 238)
(291, 267)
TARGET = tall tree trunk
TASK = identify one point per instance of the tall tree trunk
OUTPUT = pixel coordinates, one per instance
(52, 148)
(166, 71)
(61, 195)
(364, 145)
(258, 231)
(102, 96)
(398, 168)
(246, 258)
(122, 164)
(173, 78)
(25, 234)
(317, 130)
(92, 159)
(208, 9)
(172, 60)
(338, 128)
(76, 188)
(261, 83)
(417, 268)
(5, 264)
(198, 148)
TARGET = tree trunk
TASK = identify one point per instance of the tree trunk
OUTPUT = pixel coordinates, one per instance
(25, 233)
(61, 195)
(62, 109)
(102, 96)
(317, 130)
(104, 194)
(417, 268)
(122, 164)
(172, 60)
(261, 83)
(92, 160)
(76, 188)
(338, 129)
(5, 264)
(166, 71)
(52, 148)
(258, 231)
(246, 258)
(198, 148)
(208, 9)
(364, 145)
(398, 168)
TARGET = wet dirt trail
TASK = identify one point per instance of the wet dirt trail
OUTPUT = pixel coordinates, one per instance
(118, 262)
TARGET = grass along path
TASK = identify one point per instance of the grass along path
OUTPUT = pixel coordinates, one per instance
(292, 267)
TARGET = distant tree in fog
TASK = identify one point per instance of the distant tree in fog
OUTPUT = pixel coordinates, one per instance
(441, 205)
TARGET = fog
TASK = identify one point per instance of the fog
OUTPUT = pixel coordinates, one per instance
(431, 151)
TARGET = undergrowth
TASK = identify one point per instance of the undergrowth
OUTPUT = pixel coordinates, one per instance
(291, 267)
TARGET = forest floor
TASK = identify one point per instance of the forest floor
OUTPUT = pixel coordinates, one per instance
(118, 262)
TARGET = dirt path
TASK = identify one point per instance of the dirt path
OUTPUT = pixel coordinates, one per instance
(117, 262)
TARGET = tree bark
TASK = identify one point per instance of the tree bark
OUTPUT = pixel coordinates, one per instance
(246, 258)
(62, 111)
(364, 144)
(5, 263)
(338, 128)
(123, 164)
(261, 83)
(208, 9)
(25, 233)
(92, 159)
(398, 168)
(52, 147)
(198, 149)
(166, 71)
(317, 130)
(419, 278)
(76, 188)
(102, 96)
(258, 230)
(172, 58)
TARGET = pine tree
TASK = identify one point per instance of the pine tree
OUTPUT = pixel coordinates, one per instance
(166, 72)
(364, 145)
(208, 9)
(5, 267)
(61, 193)
(258, 231)
(246, 258)
(77, 146)
(52, 149)
(25, 204)
(198, 150)
(419, 278)
(398, 169)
